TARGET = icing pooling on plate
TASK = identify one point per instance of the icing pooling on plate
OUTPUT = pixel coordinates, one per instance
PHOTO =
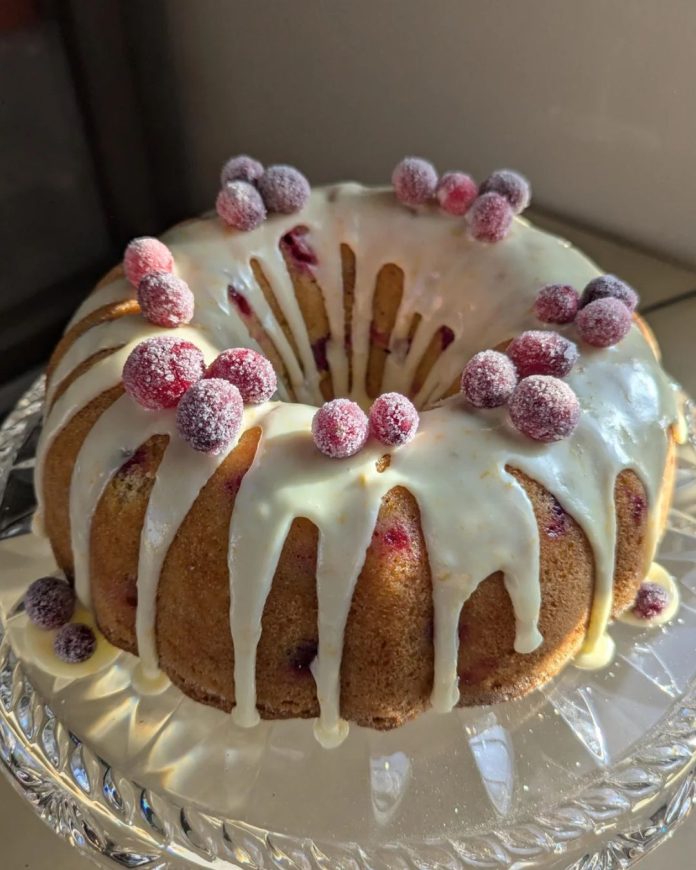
(484, 295)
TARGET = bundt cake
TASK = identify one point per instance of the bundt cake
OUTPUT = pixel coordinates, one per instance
(276, 563)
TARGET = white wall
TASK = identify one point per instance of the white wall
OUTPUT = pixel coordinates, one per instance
(593, 99)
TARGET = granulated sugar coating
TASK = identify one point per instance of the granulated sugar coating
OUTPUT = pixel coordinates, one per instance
(488, 379)
(340, 428)
(490, 218)
(241, 168)
(557, 303)
(165, 300)
(75, 643)
(49, 602)
(455, 192)
(414, 180)
(209, 415)
(393, 419)
(604, 322)
(145, 255)
(248, 370)
(539, 352)
(240, 206)
(284, 189)
(544, 408)
(158, 371)
(609, 286)
(510, 184)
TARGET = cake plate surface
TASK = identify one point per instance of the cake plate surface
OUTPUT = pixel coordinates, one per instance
(593, 771)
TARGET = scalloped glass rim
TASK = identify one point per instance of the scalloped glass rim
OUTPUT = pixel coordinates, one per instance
(608, 818)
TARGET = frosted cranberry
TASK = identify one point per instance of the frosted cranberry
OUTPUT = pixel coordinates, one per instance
(414, 180)
(393, 419)
(604, 322)
(284, 189)
(651, 601)
(209, 415)
(557, 303)
(510, 184)
(145, 255)
(241, 168)
(75, 643)
(609, 286)
(49, 602)
(339, 428)
(158, 371)
(490, 218)
(249, 371)
(455, 192)
(297, 248)
(544, 408)
(165, 300)
(240, 206)
(488, 379)
(537, 352)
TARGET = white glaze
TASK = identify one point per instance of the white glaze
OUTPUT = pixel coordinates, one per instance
(459, 458)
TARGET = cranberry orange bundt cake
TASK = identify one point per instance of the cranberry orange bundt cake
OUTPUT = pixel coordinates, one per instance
(353, 453)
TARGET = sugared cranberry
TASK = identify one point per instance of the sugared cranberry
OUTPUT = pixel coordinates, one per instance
(557, 524)
(488, 379)
(303, 655)
(455, 192)
(241, 168)
(490, 218)
(604, 322)
(158, 371)
(240, 301)
(557, 303)
(49, 602)
(609, 287)
(145, 255)
(339, 428)
(249, 371)
(209, 415)
(544, 408)
(651, 601)
(538, 352)
(284, 189)
(75, 643)
(393, 419)
(240, 206)
(414, 180)
(165, 300)
(510, 184)
(295, 245)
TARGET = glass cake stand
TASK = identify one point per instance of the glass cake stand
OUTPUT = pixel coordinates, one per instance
(593, 771)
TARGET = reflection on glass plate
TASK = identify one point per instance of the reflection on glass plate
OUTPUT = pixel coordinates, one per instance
(592, 771)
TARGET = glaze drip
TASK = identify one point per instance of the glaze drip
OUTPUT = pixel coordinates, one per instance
(483, 296)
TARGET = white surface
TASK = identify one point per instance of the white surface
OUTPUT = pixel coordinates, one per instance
(29, 845)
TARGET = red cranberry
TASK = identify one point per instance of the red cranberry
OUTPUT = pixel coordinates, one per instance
(165, 300)
(455, 192)
(544, 408)
(651, 601)
(49, 602)
(249, 371)
(393, 419)
(557, 524)
(538, 352)
(284, 189)
(609, 287)
(241, 168)
(158, 371)
(145, 255)
(414, 181)
(488, 379)
(240, 301)
(513, 186)
(339, 428)
(490, 218)
(298, 249)
(557, 303)
(209, 415)
(446, 337)
(604, 322)
(75, 643)
(240, 206)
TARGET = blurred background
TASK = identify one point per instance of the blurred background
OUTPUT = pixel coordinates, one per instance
(115, 116)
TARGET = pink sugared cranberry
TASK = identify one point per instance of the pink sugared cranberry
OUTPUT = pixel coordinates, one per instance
(240, 206)
(538, 352)
(455, 192)
(145, 255)
(510, 184)
(165, 300)
(414, 180)
(609, 286)
(158, 371)
(604, 322)
(557, 303)
(544, 408)
(49, 602)
(490, 218)
(284, 189)
(75, 643)
(393, 419)
(651, 601)
(488, 379)
(339, 428)
(249, 371)
(241, 168)
(209, 415)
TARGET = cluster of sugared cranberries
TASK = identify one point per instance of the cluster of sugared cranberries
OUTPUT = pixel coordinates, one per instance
(249, 191)
(165, 300)
(250, 372)
(49, 602)
(489, 208)
(75, 643)
(488, 379)
(603, 314)
(158, 371)
(393, 419)
(209, 415)
(544, 408)
(146, 255)
(340, 428)
(652, 600)
(538, 352)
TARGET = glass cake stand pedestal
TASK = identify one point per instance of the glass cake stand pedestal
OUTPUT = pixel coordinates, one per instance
(593, 771)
